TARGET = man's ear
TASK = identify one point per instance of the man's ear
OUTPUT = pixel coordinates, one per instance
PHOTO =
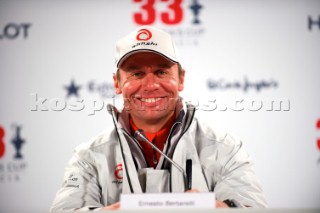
(181, 80)
(116, 84)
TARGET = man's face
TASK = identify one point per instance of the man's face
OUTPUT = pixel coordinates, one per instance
(150, 85)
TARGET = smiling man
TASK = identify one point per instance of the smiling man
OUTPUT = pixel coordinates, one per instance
(154, 138)
(150, 85)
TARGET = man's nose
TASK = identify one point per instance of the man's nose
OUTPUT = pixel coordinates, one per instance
(150, 82)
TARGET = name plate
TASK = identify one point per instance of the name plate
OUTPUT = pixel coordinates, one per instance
(168, 201)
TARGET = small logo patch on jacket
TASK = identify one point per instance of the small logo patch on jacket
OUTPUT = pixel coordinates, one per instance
(118, 174)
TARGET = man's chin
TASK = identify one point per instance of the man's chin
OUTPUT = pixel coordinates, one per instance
(152, 114)
(155, 108)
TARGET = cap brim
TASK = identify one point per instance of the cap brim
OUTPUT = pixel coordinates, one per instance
(127, 55)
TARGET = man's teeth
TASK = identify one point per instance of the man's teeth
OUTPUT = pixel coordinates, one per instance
(150, 100)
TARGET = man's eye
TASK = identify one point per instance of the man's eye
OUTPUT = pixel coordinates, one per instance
(136, 74)
(161, 72)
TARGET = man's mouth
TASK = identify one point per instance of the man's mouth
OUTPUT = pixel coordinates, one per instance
(149, 100)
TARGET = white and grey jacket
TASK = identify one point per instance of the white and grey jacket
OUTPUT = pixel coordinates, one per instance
(113, 163)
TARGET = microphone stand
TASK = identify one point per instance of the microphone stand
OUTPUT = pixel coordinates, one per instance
(139, 135)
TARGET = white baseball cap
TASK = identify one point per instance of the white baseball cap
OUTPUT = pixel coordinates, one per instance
(146, 39)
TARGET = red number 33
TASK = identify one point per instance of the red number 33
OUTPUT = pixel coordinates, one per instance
(147, 15)
(2, 145)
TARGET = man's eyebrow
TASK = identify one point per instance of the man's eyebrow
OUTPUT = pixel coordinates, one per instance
(132, 67)
(166, 65)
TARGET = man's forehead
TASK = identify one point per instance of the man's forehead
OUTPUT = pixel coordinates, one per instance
(137, 67)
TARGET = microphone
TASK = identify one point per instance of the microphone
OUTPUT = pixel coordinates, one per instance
(139, 135)
(189, 173)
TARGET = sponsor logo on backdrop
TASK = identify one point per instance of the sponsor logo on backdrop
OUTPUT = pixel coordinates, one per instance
(244, 84)
(150, 12)
(103, 89)
(74, 99)
(196, 8)
(12, 168)
(318, 139)
(17, 142)
(72, 89)
(313, 23)
(15, 31)
(118, 174)
(185, 26)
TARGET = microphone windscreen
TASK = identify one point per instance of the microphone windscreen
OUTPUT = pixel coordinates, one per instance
(139, 135)
(109, 108)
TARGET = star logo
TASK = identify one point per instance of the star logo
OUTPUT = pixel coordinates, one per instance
(72, 89)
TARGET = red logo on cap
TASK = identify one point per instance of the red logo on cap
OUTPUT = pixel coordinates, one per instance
(143, 35)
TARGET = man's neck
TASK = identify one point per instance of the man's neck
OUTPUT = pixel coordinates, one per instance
(152, 126)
